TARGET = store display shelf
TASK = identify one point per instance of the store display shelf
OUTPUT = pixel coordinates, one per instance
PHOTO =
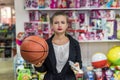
(38, 22)
(99, 41)
(100, 8)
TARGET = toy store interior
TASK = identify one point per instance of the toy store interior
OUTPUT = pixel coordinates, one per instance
(7, 39)
(95, 24)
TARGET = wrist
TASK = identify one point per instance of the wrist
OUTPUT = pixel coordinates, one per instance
(38, 65)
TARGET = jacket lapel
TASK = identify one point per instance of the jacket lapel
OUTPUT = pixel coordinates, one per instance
(52, 55)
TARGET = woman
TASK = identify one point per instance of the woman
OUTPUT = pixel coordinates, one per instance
(62, 49)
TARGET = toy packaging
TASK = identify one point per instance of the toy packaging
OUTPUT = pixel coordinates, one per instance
(34, 15)
(61, 3)
(36, 29)
(41, 3)
(31, 29)
(31, 4)
(38, 16)
(103, 24)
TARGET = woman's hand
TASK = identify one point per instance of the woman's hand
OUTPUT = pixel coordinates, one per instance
(79, 74)
(76, 68)
(38, 64)
(76, 65)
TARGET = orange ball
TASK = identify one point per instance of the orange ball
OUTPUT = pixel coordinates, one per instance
(34, 49)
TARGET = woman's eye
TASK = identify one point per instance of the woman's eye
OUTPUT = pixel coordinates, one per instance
(56, 22)
(62, 22)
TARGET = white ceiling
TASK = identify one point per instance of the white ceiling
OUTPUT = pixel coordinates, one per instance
(6, 2)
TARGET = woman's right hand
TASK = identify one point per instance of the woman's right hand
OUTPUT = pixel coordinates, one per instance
(39, 64)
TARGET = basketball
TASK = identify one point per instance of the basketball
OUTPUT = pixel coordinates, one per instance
(34, 49)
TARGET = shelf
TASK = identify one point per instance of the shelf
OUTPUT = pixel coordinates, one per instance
(99, 41)
(38, 22)
(69, 9)
(49, 9)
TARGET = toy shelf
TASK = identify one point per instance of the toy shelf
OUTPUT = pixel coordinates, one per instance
(89, 17)
(84, 9)
(99, 41)
(39, 22)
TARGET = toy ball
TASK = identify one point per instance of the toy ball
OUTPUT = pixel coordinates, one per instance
(34, 49)
(99, 60)
(118, 34)
(113, 55)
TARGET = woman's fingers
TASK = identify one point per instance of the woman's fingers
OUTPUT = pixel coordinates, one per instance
(39, 64)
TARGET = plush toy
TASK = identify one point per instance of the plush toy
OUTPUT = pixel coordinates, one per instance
(99, 74)
(24, 74)
(89, 74)
(19, 67)
(20, 38)
(109, 74)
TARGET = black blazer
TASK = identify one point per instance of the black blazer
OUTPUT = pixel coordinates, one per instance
(49, 64)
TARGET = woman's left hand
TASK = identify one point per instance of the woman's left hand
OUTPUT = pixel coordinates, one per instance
(77, 73)
(76, 64)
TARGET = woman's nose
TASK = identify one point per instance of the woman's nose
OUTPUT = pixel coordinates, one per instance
(59, 24)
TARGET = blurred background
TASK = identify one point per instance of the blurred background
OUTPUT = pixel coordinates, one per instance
(7, 39)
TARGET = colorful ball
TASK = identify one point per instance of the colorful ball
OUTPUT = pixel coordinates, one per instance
(99, 60)
(113, 55)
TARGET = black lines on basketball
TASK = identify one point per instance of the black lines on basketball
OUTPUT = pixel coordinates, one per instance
(34, 49)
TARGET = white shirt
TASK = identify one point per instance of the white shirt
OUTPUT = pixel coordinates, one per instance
(61, 53)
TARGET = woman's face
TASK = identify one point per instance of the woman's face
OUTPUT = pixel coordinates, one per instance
(59, 24)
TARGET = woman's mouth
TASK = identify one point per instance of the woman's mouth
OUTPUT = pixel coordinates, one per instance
(59, 29)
